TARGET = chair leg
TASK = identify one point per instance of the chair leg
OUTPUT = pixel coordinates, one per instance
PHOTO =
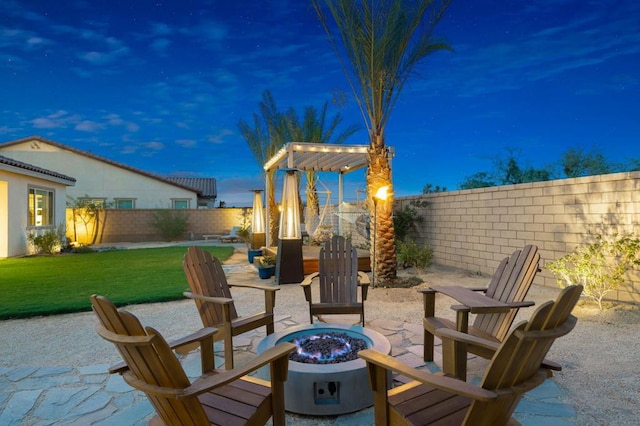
(228, 351)
(428, 346)
(429, 302)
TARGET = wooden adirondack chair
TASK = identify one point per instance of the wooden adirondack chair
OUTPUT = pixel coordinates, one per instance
(496, 306)
(339, 280)
(226, 397)
(514, 369)
(212, 295)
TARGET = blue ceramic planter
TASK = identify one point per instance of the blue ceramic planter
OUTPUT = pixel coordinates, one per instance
(267, 272)
(253, 253)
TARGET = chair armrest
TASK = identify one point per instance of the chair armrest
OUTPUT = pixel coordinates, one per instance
(256, 286)
(478, 303)
(484, 348)
(200, 337)
(430, 290)
(363, 283)
(309, 279)
(363, 278)
(218, 300)
(209, 381)
(306, 286)
(447, 333)
(214, 379)
(523, 304)
(445, 383)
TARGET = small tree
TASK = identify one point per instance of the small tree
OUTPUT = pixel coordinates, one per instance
(88, 211)
(599, 267)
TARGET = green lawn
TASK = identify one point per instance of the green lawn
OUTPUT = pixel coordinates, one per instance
(47, 285)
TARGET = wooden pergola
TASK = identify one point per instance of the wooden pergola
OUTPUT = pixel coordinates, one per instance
(320, 157)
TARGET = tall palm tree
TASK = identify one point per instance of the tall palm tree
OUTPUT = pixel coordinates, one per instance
(316, 128)
(381, 43)
(268, 134)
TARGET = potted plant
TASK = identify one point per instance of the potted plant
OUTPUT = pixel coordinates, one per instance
(244, 234)
(266, 266)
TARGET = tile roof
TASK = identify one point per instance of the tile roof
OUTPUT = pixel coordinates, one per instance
(205, 186)
(32, 168)
(95, 157)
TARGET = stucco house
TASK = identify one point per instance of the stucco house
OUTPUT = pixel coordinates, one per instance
(105, 181)
(32, 200)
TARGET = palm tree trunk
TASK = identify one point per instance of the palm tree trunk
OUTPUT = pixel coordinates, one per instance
(383, 245)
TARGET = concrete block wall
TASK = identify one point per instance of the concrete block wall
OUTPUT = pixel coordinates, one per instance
(475, 229)
(135, 225)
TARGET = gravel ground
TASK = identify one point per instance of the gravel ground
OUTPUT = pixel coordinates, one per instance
(600, 357)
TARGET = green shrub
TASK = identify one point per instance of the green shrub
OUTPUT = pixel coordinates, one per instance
(266, 261)
(405, 221)
(410, 254)
(171, 224)
(599, 267)
(50, 242)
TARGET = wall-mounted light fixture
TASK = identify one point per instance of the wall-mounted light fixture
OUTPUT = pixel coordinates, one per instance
(258, 237)
(380, 195)
(289, 266)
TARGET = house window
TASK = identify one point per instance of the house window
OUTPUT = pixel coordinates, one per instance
(125, 203)
(40, 207)
(180, 203)
(98, 202)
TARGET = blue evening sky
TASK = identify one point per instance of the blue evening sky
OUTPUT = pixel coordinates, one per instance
(161, 85)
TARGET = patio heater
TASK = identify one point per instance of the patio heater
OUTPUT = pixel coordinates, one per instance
(258, 237)
(380, 195)
(289, 267)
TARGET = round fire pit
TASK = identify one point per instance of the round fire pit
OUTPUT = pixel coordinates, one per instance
(320, 381)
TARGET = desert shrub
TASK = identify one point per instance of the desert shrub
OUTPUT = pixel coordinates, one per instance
(411, 254)
(82, 249)
(600, 267)
(50, 241)
(405, 221)
(170, 223)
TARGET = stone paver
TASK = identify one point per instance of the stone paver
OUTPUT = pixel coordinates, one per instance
(89, 396)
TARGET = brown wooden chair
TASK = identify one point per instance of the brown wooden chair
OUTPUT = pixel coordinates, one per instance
(339, 279)
(212, 295)
(216, 397)
(514, 369)
(495, 306)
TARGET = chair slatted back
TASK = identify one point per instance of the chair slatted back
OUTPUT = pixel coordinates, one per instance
(150, 360)
(206, 277)
(338, 271)
(510, 283)
(515, 368)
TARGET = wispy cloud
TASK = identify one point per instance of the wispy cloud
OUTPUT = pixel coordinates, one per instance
(544, 54)
(88, 126)
(58, 119)
(187, 143)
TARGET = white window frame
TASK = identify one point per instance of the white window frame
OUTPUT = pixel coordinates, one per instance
(35, 220)
(174, 202)
(118, 200)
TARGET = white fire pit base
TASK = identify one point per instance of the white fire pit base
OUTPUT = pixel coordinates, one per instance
(326, 389)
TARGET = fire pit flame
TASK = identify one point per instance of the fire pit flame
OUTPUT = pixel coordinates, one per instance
(326, 348)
